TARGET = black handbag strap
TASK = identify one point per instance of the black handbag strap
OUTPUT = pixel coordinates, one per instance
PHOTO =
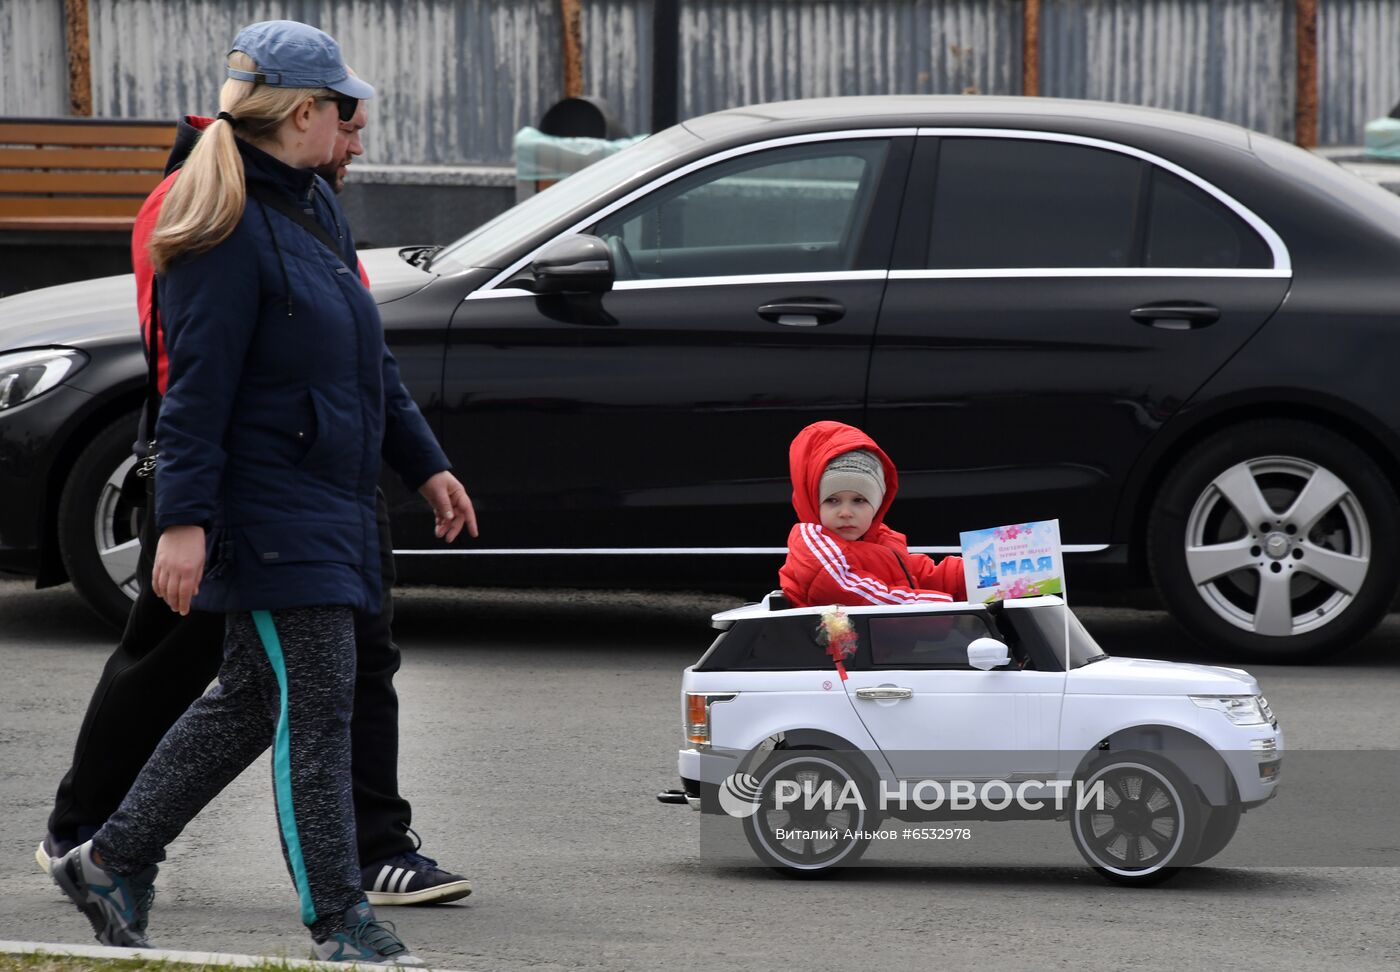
(303, 218)
(153, 363)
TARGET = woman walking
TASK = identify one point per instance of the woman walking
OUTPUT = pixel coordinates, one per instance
(281, 400)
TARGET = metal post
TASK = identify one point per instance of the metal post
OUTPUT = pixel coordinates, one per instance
(1030, 48)
(665, 63)
(1306, 31)
(75, 32)
(571, 13)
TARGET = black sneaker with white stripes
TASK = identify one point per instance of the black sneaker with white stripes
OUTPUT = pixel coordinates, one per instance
(411, 879)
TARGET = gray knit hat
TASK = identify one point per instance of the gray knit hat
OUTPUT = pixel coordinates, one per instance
(860, 471)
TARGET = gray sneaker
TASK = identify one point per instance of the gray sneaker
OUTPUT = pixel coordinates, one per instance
(365, 939)
(117, 906)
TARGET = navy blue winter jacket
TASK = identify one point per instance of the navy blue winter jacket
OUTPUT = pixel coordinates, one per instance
(282, 399)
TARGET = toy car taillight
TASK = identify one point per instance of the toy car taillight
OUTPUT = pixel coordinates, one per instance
(697, 716)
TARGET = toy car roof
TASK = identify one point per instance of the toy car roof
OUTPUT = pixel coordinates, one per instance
(774, 605)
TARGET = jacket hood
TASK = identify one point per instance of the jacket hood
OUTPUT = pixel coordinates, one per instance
(186, 134)
(817, 445)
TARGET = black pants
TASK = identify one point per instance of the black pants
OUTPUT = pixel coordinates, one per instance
(164, 662)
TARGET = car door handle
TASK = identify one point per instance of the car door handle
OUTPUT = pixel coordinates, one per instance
(1179, 316)
(885, 692)
(802, 312)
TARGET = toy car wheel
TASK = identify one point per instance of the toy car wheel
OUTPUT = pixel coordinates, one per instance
(1220, 826)
(1146, 827)
(98, 529)
(1269, 540)
(805, 837)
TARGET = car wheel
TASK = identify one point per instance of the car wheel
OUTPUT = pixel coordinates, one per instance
(1273, 540)
(1219, 829)
(808, 837)
(1147, 825)
(98, 529)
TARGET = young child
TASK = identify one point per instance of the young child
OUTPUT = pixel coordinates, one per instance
(840, 551)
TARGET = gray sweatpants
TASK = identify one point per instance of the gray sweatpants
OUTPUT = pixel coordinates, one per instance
(287, 681)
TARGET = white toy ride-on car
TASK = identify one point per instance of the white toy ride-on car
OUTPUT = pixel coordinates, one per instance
(1170, 754)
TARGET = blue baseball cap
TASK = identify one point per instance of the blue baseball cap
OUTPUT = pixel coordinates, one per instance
(296, 55)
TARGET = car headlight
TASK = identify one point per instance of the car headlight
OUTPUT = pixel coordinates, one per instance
(1242, 710)
(25, 375)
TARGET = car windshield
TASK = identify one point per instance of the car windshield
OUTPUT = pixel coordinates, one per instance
(1049, 620)
(489, 243)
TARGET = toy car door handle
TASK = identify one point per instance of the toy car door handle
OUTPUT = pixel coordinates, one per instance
(802, 313)
(885, 692)
(1179, 316)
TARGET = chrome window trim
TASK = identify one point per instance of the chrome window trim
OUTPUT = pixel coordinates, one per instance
(683, 171)
(1282, 268)
(675, 551)
(754, 278)
(973, 273)
(721, 281)
(1279, 250)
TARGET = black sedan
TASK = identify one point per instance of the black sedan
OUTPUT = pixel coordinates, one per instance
(1173, 334)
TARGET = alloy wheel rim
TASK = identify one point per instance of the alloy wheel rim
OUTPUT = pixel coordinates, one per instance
(116, 528)
(1277, 545)
(806, 853)
(1139, 827)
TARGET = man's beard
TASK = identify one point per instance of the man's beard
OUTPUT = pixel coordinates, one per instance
(334, 173)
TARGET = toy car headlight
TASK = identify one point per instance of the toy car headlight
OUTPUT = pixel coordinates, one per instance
(1242, 710)
(26, 375)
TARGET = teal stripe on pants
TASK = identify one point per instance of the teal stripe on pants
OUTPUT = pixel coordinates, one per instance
(282, 765)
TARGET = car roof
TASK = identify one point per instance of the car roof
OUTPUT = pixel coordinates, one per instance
(762, 609)
(870, 111)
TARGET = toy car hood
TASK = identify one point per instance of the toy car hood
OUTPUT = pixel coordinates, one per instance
(1141, 676)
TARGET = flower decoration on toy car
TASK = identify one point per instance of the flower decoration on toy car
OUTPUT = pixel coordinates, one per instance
(838, 636)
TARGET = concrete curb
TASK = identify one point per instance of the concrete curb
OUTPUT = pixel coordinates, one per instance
(219, 959)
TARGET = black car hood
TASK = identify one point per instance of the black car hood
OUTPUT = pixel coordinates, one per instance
(391, 276)
(72, 314)
(105, 309)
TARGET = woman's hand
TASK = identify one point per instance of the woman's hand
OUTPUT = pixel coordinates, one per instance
(179, 565)
(452, 507)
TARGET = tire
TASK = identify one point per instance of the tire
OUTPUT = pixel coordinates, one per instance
(1220, 826)
(1248, 570)
(98, 530)
(1150, 822)
(806, 858)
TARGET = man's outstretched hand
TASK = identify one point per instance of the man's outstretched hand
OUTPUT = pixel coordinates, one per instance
(452, 507)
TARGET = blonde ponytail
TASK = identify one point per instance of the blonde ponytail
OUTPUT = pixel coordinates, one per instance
(203, 206)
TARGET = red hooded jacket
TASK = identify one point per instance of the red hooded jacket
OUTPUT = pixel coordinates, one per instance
(822, 568)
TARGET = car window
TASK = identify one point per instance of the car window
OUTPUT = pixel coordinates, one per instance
(1188, 228)
(793, 209)
(1002, 202)
(493, 242)
(925, 641)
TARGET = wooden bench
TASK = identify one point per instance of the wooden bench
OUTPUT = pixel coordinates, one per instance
(78, 174)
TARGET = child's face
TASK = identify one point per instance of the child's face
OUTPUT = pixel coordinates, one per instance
(847, 514)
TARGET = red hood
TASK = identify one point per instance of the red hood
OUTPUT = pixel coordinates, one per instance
(817, 445)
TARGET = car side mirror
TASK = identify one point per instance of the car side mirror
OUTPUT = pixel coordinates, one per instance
(578, 264)
(988, 653)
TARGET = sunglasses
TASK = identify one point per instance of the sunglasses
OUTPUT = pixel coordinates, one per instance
(345, 107)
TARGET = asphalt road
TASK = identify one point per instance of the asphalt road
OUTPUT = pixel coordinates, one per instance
(536, 731)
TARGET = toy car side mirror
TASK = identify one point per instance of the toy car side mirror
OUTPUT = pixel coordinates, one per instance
(988, 653)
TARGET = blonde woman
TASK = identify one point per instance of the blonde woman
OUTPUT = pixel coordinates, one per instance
(281, 401)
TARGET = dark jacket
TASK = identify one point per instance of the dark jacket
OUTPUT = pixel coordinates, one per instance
(281, 398)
